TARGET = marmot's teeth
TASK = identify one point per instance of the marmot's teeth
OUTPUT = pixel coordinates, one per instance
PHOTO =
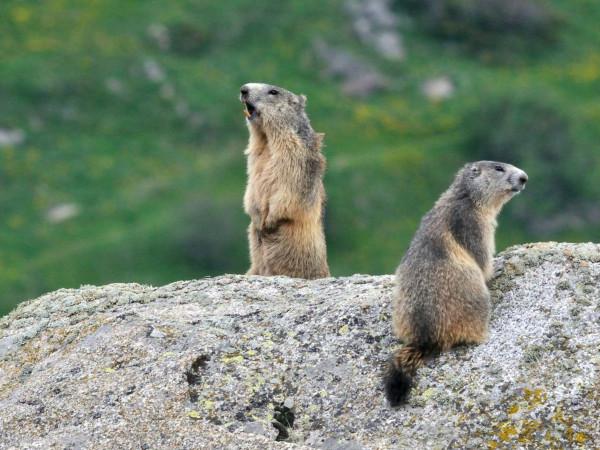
(247, 114)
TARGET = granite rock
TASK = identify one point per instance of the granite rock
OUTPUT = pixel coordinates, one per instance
(250, 362)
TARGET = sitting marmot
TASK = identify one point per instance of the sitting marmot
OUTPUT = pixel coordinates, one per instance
(285, 195)
(441, 297)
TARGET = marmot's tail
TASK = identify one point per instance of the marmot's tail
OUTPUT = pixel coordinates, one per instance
(400, 372)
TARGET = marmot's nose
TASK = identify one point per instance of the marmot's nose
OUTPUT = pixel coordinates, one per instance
(523, 178)
(244, 91)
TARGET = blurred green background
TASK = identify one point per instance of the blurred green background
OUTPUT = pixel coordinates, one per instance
(121, 134)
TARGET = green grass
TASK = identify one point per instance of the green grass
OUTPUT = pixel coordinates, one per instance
(136, 167)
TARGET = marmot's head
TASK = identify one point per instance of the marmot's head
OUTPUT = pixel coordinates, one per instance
(489, 183)
(270, 107)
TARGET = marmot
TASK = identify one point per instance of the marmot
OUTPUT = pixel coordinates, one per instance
(285, 195)
(441, 298)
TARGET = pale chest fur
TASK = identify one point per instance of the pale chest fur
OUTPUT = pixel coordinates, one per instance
(489, 241)
(258, 188)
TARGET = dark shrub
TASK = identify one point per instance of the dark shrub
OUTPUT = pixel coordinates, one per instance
(488, 25)
(187, 39)
(536, 137)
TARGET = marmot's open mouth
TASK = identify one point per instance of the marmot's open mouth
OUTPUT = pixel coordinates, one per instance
(249, 111)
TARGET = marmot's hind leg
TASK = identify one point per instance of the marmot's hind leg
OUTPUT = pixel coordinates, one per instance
(476, 335)
(466, 333)
(253, 271)
(292, 252)
(467, 310)
(256, 252)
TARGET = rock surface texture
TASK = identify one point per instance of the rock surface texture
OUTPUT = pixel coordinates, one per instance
(238, 362)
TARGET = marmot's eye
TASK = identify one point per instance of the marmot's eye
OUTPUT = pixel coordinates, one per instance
(499, 168)
(273, 92)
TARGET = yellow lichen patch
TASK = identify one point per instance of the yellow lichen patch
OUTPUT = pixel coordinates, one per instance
(208, 405)
(571, 435)
(194, 414)
(343, 329)
(428, 393)
(560, 417)
(525, 431)
(535, 397)
(528, 429)
(507, 431)
(575, 436)
(232, 359)
(461, 418)
(168, 331)
(254, 385)
(580, 437)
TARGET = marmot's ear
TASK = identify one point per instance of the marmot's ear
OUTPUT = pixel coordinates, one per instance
(302, 100)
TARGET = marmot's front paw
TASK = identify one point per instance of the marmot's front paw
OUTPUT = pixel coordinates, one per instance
(497, 269)
(271, 226)
(265, 223)
(265, 219)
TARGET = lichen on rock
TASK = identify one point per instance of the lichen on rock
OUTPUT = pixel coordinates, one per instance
(250, 362)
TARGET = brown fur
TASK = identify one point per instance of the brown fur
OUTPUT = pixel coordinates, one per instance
(285, 195)
(441, 297)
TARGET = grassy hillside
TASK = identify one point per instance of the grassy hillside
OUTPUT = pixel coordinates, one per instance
(145, 139)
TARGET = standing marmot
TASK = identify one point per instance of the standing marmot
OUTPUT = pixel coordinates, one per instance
(285, 195)
(441, 297)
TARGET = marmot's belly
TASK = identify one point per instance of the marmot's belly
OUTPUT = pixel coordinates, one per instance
(296, 249)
